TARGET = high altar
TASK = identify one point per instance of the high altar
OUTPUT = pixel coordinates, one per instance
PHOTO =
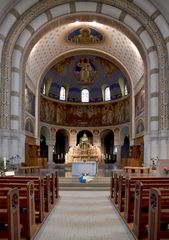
(84, 151)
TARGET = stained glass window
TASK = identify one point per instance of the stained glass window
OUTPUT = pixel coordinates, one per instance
(62, 94)
(107, 94)
(85, 95)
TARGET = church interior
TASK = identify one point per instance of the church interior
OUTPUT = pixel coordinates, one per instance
(84, 93)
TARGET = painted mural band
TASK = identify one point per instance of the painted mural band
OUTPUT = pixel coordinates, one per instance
(85, 115)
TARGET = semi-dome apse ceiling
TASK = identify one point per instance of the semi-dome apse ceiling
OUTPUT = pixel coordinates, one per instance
(88, 71)
(78, 37)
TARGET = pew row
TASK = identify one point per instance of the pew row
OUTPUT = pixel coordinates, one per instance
(26, 206)
(141, 206)
(45, 195)
(9, 214)
(38, 192)
(158, 214)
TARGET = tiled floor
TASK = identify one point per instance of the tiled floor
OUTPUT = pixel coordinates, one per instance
(84, 215)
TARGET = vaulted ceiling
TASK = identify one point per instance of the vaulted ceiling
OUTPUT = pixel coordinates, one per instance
(54, 43)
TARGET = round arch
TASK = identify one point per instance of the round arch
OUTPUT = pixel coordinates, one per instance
(81, 133)
(107, 145)
(61, 145)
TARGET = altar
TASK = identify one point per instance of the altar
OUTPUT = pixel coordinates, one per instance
(79, 168)
(84, 151)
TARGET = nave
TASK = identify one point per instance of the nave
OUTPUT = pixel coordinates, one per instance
(84, 215)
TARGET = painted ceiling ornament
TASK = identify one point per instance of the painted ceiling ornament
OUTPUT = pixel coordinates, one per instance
(60, 66)
(109, 66)
(85, 70)
(85, 35)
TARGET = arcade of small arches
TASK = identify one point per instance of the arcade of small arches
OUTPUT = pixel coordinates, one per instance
(106, 145)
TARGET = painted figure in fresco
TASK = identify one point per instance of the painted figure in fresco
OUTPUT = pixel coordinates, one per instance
(29, 101)
(85, 37)
(87, 71)
(42, 112)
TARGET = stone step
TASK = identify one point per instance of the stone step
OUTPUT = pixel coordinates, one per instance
(84, 185)
(73, 179)
(84, 188)
(73, 184)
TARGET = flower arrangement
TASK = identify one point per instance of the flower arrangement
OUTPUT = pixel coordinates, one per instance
(166, 170)
(154, 161)
(3, 164)
(6, 164)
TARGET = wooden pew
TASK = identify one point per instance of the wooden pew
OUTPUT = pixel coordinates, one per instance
(49, 189)
(129, 169)
(39, 192)
(114, 186)
(54, 187)
(9, 214)
(141, 205)
(130, 191)
(29, 169)
(123, 187)
(47, 193)
(121, 192)
(56, 184)
(158, 214)
(27, 206)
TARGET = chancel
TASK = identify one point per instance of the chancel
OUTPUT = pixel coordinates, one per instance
(84, 151)
(84, 91)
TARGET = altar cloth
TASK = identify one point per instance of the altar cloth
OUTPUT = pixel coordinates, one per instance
(79, 168)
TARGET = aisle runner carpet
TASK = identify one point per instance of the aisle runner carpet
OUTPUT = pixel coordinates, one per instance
(84, 215)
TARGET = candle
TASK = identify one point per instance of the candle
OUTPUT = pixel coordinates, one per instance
(4, 162)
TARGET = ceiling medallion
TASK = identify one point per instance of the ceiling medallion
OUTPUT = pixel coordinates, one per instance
(85, 35)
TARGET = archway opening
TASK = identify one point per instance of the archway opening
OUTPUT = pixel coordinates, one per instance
(107, 141)
(61, 146)
(43, 147)
(88, 134)
(44, 137)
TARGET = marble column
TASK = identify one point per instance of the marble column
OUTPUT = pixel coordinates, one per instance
(118, 158)
(50, 153)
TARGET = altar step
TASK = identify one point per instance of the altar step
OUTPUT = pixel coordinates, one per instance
(73, 184)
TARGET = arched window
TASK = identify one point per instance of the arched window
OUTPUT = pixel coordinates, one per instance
(62, 94)
(107, 95)
(85, 95)
(125, 90)
(44, 89)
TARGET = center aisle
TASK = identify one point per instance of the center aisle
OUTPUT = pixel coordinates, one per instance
(84, 215)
